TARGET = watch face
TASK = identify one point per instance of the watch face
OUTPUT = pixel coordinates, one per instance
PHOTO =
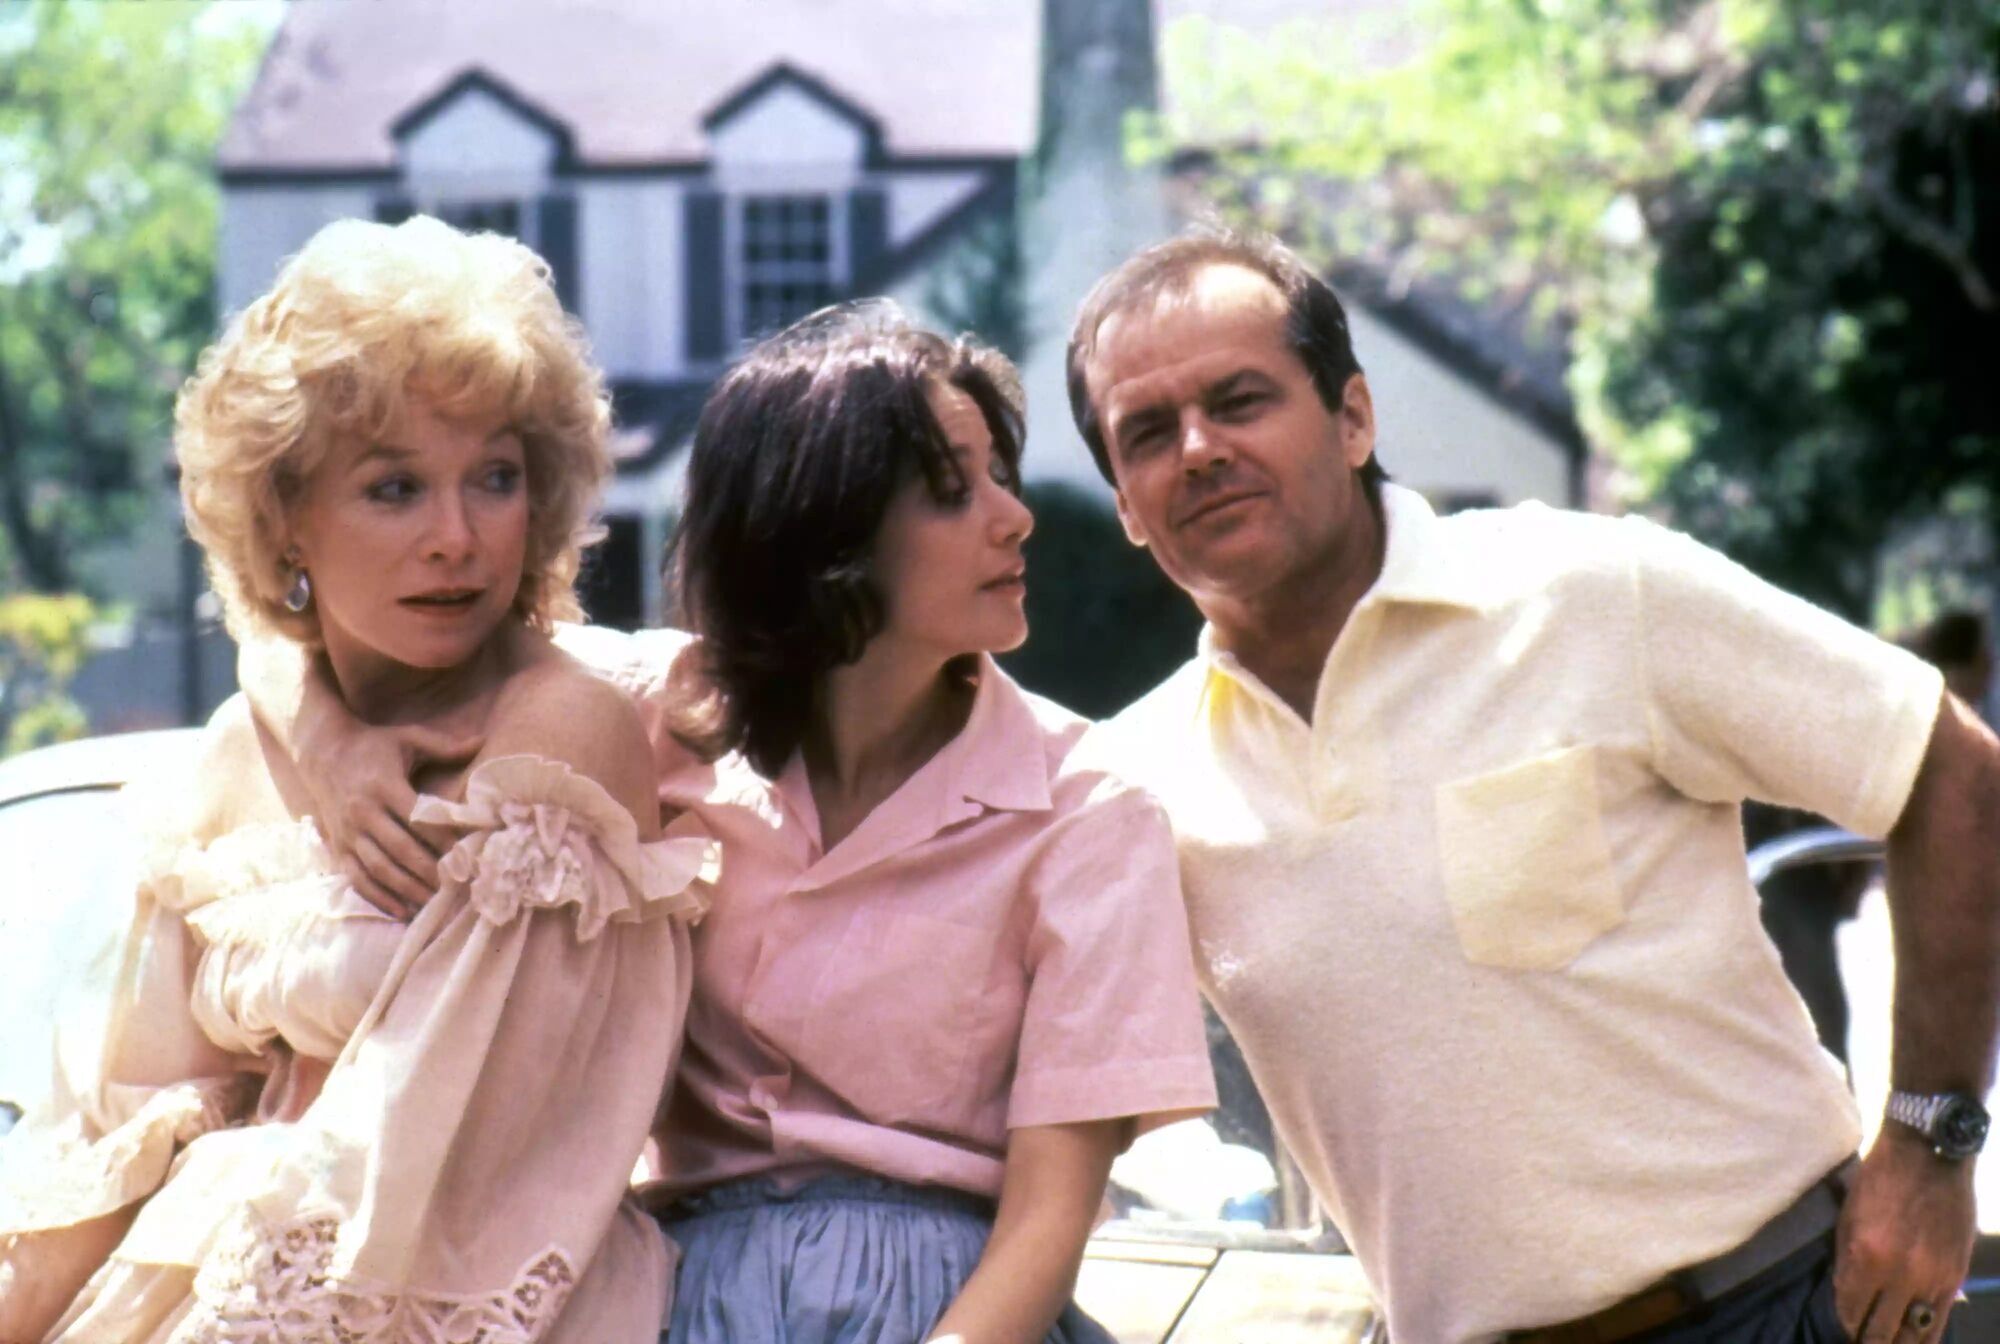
(1961, 1129)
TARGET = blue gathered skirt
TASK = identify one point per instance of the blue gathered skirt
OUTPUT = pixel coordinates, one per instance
(846, 1259)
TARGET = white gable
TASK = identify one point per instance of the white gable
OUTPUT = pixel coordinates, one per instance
(919, 200)
(1438, 432)
(261, 226)
(477, 140)
(786, 127)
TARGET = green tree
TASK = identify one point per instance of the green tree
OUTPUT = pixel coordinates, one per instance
(1766, 229)
(41, 648)
(110, 113)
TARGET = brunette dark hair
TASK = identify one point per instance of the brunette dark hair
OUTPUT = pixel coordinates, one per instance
(1315, 322)
(797, 455)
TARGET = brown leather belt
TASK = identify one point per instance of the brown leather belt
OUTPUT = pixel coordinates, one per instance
(1776, 1246)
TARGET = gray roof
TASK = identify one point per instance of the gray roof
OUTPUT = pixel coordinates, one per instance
(633, 80)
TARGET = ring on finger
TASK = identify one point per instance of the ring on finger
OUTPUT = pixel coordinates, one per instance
(1920, 1317)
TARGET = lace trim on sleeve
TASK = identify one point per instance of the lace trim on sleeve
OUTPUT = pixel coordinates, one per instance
(279, 1285)
(539, 836)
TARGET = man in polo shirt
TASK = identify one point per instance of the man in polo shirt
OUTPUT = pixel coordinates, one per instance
(1457, 802)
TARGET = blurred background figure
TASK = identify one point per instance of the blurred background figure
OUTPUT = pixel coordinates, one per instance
(1959, 643)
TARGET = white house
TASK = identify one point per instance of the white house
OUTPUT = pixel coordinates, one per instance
(697, 174)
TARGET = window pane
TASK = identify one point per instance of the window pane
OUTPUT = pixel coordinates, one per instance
(786, 260)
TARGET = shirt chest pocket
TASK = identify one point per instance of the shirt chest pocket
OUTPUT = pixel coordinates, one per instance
(896, 1023)
(1526, 869)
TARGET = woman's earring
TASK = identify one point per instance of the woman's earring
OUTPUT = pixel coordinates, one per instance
(300, 595)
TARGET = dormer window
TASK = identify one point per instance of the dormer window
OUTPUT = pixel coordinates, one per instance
(788, 260)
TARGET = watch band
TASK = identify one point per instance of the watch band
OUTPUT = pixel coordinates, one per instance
(1918, 1110)
(1955, 1125)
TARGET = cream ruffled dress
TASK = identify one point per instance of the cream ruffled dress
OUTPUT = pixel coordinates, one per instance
(340, 1128)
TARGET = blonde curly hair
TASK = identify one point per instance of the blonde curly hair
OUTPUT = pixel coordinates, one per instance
(364, 317)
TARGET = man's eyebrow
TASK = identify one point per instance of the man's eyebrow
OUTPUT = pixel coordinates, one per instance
(1140, 417)
(1237, 380)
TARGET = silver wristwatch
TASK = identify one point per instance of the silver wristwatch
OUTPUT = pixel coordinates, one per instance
(1954, 1123)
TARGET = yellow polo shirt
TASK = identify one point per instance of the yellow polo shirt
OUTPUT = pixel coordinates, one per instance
(1483, 927)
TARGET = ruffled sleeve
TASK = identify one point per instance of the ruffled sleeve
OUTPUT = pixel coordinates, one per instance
(135, 1082)
(538, 837)
(461, 1172)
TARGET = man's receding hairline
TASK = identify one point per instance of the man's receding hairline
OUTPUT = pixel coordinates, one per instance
(1269, 283)
(1179, 288)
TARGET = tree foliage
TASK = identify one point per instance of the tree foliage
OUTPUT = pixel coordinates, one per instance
(1768, 229)
(109, 118)
(41, 649)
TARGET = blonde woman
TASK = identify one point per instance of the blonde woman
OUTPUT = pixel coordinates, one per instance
(308, 1120)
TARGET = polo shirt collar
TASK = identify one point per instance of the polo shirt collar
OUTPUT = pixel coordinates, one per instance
(998, 761)
(1423, 562)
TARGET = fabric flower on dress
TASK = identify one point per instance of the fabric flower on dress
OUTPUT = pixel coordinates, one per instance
(531, 825)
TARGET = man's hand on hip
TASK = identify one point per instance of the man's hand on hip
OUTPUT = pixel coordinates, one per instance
(1905, 1240)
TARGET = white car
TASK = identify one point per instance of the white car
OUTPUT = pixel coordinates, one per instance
(68, 848)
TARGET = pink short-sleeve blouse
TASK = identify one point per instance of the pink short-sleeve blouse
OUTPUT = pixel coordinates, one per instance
(1000, 943)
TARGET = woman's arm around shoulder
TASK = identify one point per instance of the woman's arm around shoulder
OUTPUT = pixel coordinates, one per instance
(356, 775)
